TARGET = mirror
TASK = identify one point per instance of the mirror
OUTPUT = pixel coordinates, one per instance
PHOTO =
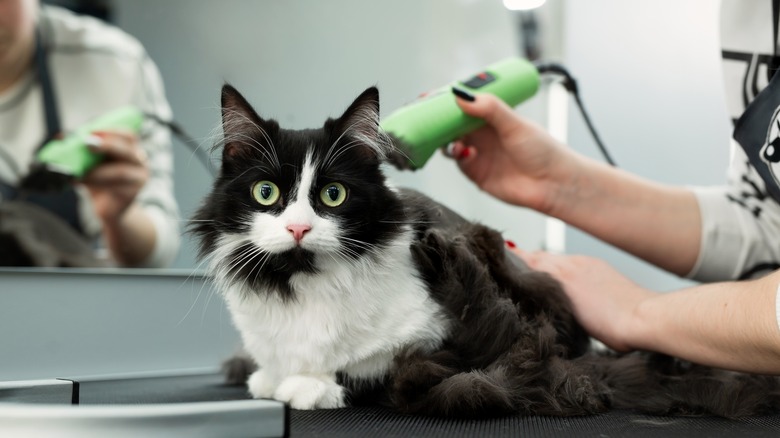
(301, 62)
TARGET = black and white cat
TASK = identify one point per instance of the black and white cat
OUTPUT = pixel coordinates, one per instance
(342, 286)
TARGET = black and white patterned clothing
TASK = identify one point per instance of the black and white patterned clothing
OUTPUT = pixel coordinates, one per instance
(741, 220)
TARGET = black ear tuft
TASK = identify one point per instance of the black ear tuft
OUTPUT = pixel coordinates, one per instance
(240, 124)
(361, 122)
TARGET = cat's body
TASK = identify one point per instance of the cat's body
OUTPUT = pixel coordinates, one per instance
(342, 286)
(352, 317)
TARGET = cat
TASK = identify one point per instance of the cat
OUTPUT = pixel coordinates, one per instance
(346, 290)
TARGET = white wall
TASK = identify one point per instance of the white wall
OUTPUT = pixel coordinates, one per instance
(650, 76)
(301, 61)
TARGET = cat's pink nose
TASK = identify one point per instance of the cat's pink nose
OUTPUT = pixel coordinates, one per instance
(298, 230)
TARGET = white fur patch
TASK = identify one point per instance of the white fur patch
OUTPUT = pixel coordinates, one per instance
(353, 316)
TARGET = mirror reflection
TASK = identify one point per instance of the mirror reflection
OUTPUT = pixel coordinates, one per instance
(90, 172)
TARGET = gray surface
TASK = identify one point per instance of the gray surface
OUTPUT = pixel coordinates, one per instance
(53, 391)
(240, 418)
(80, 323)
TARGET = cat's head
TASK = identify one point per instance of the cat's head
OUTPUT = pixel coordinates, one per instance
(294, 201)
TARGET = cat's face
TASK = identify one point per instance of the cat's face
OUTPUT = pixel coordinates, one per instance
(293, 201)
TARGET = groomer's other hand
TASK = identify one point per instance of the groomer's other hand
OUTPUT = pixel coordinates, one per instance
(605, 302)
(511, 158)
(114, 184)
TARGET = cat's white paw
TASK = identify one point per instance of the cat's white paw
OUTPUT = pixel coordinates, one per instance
(261, 384)
(310, 392)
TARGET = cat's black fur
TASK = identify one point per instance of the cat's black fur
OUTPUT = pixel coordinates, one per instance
(514, 347)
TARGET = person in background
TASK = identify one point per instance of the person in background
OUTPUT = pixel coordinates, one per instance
(727, 236)
(59, 70)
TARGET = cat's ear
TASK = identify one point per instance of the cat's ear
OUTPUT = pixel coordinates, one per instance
(240, 124)
(361, 122)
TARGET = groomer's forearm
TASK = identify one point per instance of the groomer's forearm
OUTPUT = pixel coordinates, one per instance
(657, 223)
(131, 240)
(728, 325)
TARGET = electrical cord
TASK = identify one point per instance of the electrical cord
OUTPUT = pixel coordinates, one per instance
(571, 86)
(188, 141)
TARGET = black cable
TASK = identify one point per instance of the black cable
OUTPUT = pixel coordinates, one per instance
(571, 85)
(190, 142)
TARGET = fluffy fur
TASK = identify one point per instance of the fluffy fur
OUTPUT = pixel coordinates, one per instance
(385, 296)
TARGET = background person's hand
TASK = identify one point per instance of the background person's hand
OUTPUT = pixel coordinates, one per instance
(114, 184)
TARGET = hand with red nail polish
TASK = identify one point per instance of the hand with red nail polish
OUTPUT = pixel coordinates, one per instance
(518, 162)
(114, 186)
(510, 158)
(116, 181)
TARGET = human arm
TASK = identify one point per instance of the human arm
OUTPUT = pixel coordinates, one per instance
(113, 186)
(520, 163)
(732, 325)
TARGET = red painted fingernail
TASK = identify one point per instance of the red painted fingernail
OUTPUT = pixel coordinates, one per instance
(510, 244)
(465, 153)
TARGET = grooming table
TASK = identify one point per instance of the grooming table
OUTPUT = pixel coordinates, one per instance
(261, 418)
(126, 326)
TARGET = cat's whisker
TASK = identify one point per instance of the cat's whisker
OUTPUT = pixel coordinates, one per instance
(341, 151)
(230, 124)
(246, 257)
(228, 268)
(260, 265)
(407, 222)
(351, 252)
(380, 142)
(237, 177)
(200, 290)
(267, 152)
(330, 149)
(360, 244)
(365, 117)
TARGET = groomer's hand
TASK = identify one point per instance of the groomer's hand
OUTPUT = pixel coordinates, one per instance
(605, 302)
(511, 158)
(114, 184)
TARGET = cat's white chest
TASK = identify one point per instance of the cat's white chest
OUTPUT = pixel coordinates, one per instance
(352, 317)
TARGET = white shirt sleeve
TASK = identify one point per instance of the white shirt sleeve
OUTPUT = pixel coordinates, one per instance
(157, 198)
(740, 226)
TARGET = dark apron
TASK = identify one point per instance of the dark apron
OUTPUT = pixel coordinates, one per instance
(62, 203)
(758, 129)
(758, 133)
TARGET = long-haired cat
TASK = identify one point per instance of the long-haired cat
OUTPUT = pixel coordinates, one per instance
(344, 288)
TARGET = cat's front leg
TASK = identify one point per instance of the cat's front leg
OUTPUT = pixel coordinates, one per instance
(311, 391)
(262, 384)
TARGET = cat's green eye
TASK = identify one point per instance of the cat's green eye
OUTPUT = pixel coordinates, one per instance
(333, 194)
(265, 192)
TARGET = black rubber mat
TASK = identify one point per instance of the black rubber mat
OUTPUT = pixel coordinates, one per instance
(377, 422)
(367, 422)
